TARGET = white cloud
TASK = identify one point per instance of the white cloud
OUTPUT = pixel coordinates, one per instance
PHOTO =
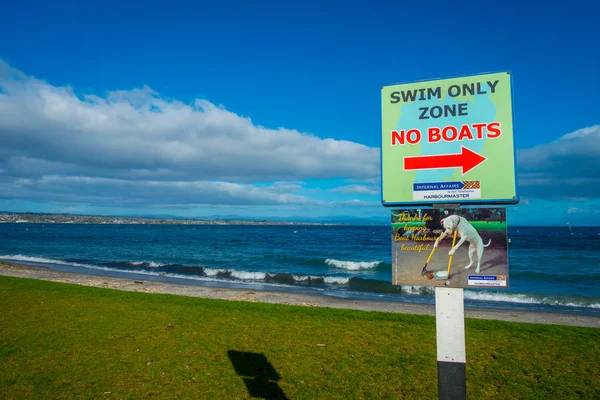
(565, 168)
(134, 134)
(134, 145)
(124, 193)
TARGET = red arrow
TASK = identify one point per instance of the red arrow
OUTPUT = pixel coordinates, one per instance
(467, 160)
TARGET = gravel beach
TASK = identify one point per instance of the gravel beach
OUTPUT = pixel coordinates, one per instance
(299, 299)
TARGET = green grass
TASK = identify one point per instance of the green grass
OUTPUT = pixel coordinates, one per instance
(60, 341)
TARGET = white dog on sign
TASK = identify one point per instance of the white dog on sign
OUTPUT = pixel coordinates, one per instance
(468, 233)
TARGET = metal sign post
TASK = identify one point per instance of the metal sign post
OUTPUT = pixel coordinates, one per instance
(450, 339)
(450, 334)
(449, 141)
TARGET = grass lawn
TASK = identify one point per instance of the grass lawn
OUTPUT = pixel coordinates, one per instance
(60, 341)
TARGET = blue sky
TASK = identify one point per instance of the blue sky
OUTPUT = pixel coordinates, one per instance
(272, 108)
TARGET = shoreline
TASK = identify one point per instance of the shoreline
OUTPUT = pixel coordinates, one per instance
(23, 270)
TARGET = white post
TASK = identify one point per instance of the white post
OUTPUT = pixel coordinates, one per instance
(450, 333)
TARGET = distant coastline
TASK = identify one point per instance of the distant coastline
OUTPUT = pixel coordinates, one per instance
(41, 218)
(66, 218)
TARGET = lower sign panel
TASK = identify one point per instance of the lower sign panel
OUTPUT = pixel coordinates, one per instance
(460, 248)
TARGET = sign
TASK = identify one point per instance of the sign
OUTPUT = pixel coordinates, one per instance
(456, 248)
(448, 141)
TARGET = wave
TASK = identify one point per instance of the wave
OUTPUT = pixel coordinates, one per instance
(41, 260)
(242, 275)
(148, 264)
(334, 282)
(190, 272)
(352, 265)
(137, 264)
(525, 298)
(49, 261)
(329, 262)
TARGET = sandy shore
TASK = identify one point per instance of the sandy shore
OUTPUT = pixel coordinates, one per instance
(300, 299)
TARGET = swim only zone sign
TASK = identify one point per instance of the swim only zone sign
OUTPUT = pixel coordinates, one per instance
(448, 141)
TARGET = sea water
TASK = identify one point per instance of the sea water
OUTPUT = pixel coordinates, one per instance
(551, 269)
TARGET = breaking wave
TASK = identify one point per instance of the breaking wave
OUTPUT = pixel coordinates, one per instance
(41, 260)
(332, 282)
(190, 272)
(525, 298)
(352, 265)
(235, 274)
(148, 264)
(137, 264)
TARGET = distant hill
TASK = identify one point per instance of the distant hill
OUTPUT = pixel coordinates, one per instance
(338, 220)
(345, 220)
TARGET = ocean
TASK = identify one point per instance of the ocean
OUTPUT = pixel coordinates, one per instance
(551, 269)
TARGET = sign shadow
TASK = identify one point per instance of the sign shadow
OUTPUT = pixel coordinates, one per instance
(258, 374)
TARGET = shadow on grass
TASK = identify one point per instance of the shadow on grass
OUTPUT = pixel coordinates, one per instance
(258, 374)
